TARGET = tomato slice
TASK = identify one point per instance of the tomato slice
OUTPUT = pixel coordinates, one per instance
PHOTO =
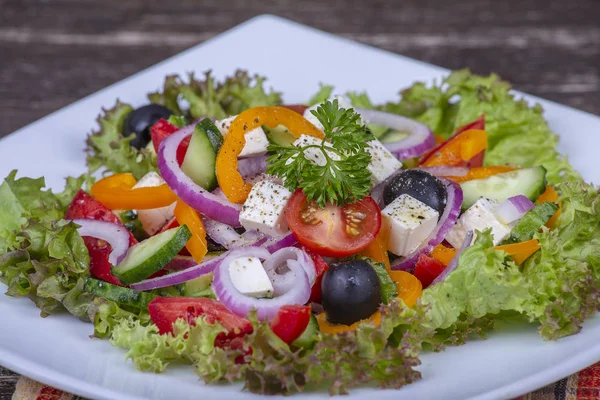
(427, 269)
(85, 206)
(299, 108)
(320, 268)
(164, 311)
(333, 231)
(290, 322)
(163, 129)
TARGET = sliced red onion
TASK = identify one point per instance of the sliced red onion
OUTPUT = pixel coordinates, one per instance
(117, 236)
(227, 237)
(443, 170)
(448, 219)
(419, 140)
(239, 304)
(377, 191)
(186, 189)
(454, 262)
(292, 254)
(274, 244)
(513, 209)
(250, 167)
(179, 263)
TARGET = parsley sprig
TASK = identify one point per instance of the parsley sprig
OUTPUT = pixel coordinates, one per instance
(343, 177)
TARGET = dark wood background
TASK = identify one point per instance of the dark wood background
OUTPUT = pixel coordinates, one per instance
(53, 52)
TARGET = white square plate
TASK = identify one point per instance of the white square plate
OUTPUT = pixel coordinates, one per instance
(295, 58)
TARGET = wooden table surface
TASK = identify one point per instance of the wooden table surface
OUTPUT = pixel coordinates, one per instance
(55, 52)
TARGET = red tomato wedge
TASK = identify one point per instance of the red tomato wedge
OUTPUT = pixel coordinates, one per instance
(161, 130)
(290, 322)
(333, 231)
(320, 267)
(164, 311)
(299, 108)
(427, 269)
(85, 206)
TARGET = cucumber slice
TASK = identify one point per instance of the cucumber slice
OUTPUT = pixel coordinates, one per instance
(199, 284)
(530, 182)
(201, 156)
(393, 136)
(119, 294)
(389, 291)
(151, 255)
(309, 337)
(279, 135)
(531, 222)
(377, 130)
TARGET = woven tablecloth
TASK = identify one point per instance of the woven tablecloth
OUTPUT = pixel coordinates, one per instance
(584, 385)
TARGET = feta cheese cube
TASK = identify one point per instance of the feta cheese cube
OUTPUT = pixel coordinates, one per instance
(263, 209)
(256, 139)
(410, 222)
(479, 216)
(250, 278)
(383, 163)
(343, 102)
(314, 154)
(154, 219)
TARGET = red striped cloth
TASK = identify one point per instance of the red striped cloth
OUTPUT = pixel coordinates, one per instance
(584, 385)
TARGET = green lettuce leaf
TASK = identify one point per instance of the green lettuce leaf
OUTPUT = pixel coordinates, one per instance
(518, 134)
(208, 98)
(323, 94)
(107, 149)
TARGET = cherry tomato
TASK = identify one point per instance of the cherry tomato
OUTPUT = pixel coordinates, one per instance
(299, 108)
(333, 231)
(163, 129)
(290, 322)
(320, 268)
(427, 269)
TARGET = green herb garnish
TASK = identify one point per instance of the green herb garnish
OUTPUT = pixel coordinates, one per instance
(343, 177)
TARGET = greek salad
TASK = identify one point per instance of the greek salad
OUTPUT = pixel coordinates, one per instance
(309, 246)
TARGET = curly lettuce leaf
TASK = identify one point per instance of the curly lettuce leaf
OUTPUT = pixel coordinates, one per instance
(208, 98)
(107, 149)
(322, 95)
(518, 134)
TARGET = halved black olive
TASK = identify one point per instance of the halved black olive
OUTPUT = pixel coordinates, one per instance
(141, 120)
(418, 184)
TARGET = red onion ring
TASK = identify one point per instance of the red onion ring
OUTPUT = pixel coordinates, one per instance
(117, 236)
(288, 254)
(448, 219)
(250, 167)
(274, 244)
(179, 263)
(443, 170)
(241, 305)
(419, 140)
(227, 237)
(186, 189)
(454, 262)
(513, 209)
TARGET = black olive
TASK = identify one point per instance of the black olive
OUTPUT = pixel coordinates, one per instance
(141, 120)
(351, 292)
(418, 184)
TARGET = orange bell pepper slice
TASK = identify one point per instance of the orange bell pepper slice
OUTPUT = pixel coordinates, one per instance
(550, 195)
(443, 254)
(459, 149)
(334, 329)
(409, 287)
(520, 252)
(481, 173)
(196, 245)
(116, 192)
(230, 180)
(377, 249)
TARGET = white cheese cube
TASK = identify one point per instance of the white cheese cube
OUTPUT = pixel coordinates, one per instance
(343, 102)
(154, 219)
(410, 222)
(314, 154)
(383, 163)
(250, 278)
(480, 216)
(256, 139)
(263, 209)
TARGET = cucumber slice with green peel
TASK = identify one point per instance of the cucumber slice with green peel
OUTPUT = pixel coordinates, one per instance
(389, 291)
(309, 337)
(201, 157)
(208, 292)
(279, 135)
(213, 133)
(393, 137)
(151, 255)
(198, 284)
(531, 222)
(377, 130)
(119, 294)
(530, 182)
